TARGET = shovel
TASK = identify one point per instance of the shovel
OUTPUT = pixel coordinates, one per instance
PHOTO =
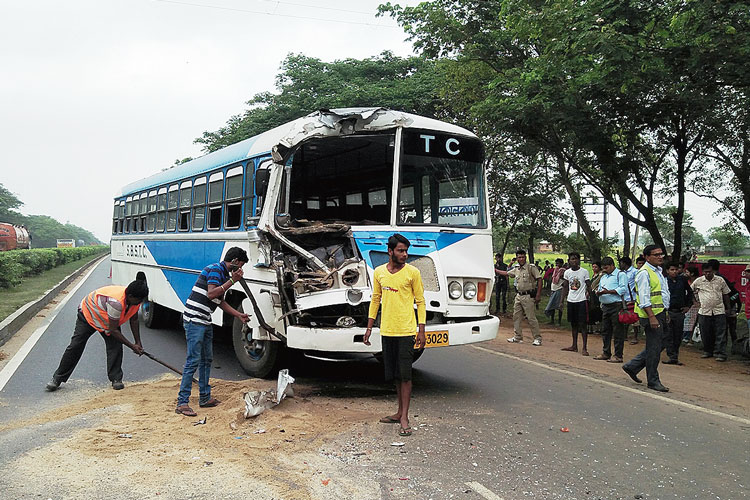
(151, 356)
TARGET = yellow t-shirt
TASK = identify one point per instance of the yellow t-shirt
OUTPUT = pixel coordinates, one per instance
(398, 292)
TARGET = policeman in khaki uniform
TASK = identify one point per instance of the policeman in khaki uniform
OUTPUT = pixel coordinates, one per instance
(528, 284)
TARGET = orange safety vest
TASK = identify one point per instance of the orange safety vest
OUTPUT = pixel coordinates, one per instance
(96, 315)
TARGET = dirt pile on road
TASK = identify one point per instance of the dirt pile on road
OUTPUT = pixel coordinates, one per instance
(136, 440)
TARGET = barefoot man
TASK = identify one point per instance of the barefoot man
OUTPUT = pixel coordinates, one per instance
(398, 286)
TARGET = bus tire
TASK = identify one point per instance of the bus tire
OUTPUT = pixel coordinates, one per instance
(153, 314)
(258, 358)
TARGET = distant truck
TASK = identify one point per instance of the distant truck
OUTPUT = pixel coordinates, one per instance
(14, 237)
(67, 243)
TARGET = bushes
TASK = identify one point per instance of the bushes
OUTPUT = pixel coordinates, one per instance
(17, 264)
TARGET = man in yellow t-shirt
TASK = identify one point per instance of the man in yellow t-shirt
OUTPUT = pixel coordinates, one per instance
(398, 286)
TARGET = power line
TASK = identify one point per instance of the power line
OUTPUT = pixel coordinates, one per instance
(248, 11)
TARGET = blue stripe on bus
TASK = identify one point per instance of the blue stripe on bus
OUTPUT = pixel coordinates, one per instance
(181, 282)
(186, 254)
(422, 243)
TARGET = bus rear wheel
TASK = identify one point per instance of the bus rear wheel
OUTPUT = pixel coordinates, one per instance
(258, 358)
(153, 314)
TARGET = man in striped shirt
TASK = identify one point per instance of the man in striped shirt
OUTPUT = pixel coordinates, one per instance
(207, 294)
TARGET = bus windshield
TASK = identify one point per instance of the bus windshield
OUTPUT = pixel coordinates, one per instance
(342, 179)
(442, 181)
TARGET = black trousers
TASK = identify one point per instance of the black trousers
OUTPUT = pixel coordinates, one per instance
(72, 355)
(648, 358)
(501, 290)
(714, 334)
(673, 334)
(611, 326)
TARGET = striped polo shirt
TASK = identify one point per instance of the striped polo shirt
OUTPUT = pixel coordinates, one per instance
(199, 307)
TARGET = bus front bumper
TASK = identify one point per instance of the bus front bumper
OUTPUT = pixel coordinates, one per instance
(350, 339)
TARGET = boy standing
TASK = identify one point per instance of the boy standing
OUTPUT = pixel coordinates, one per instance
(398, 285)
(576, 284)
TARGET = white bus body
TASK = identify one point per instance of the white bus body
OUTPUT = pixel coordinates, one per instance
(313, 203)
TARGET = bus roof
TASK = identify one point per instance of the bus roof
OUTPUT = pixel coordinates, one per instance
(318, 124)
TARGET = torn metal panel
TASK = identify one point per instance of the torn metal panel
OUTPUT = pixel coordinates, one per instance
(338, 122)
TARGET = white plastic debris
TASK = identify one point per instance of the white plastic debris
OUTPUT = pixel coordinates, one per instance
(127, 436)
(256, 402)
(398, 443)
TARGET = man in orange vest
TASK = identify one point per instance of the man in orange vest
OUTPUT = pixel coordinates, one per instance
(104, 310)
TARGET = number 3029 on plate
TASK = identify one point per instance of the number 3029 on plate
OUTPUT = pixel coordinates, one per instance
(436, 339)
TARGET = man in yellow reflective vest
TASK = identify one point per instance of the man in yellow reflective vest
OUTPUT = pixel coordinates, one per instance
(104, 310)
(651, 303)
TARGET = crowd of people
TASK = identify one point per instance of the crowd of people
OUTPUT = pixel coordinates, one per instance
(667, 304)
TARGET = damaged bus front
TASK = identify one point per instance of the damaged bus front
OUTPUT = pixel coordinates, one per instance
(339, 183)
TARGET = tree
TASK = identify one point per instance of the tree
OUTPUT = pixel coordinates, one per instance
(664, 217)
(623, 94)
(306, 84)
(730, 238)
(9, 202)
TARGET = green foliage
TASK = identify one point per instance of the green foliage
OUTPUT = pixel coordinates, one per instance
(44, 230)
(307, 84)
(692, 239)
(18, 264)
(730, 238)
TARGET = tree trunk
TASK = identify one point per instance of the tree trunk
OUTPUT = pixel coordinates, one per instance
(591, 236)
(531, 250)
(625, 228)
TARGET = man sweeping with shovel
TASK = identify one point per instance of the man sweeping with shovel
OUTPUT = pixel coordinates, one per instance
(104, 310)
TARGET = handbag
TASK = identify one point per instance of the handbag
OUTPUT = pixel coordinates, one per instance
(627, 315)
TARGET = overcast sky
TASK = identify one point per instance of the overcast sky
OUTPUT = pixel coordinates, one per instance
(98, 93)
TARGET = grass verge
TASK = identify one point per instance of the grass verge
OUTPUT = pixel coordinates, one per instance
(33, 288)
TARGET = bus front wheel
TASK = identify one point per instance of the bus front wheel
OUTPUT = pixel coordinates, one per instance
(258, 358)
(153, 314)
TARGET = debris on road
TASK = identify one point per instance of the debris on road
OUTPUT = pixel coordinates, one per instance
(256, 402)
(397, 443)
(201, 421)
(564, 429)
(128, 436)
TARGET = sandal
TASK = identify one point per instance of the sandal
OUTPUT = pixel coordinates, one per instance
(570, 349)
(584, 353)
(405, 431)
(210, 403)
(389, 420)
(601, 357)
(185, 410)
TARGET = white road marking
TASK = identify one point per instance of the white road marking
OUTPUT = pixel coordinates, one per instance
(634, 390)
(489, 495)
(26, 348)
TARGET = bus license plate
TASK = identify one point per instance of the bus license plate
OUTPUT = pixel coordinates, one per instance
(436, 339)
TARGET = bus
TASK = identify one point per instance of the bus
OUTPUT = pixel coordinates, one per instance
(313, 203)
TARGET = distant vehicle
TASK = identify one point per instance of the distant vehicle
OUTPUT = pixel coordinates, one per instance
(14, 237)
(68, 243)
(313, 203)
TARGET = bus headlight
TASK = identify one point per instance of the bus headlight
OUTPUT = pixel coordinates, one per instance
(470, 290)
(454, 290)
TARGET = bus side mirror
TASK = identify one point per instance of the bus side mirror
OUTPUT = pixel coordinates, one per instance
(261, 181)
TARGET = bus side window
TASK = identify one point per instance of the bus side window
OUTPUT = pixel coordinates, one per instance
(233, 199)
(161, 214)
(121, 221)
(143, 210)
(185, 202)
(215, 195)
(128, 213)
(199, 204)
(115, 216)
(249, 187)
(172, 204)
(151, 211)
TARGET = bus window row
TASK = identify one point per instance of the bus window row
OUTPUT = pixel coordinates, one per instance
(206, 203)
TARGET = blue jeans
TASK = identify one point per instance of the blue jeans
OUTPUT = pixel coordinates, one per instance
(200, 354)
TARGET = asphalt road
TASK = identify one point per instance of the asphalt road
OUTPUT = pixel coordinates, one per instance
(487, 421)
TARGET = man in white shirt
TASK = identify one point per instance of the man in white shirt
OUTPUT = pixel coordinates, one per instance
(576, 284)
(712, 295)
